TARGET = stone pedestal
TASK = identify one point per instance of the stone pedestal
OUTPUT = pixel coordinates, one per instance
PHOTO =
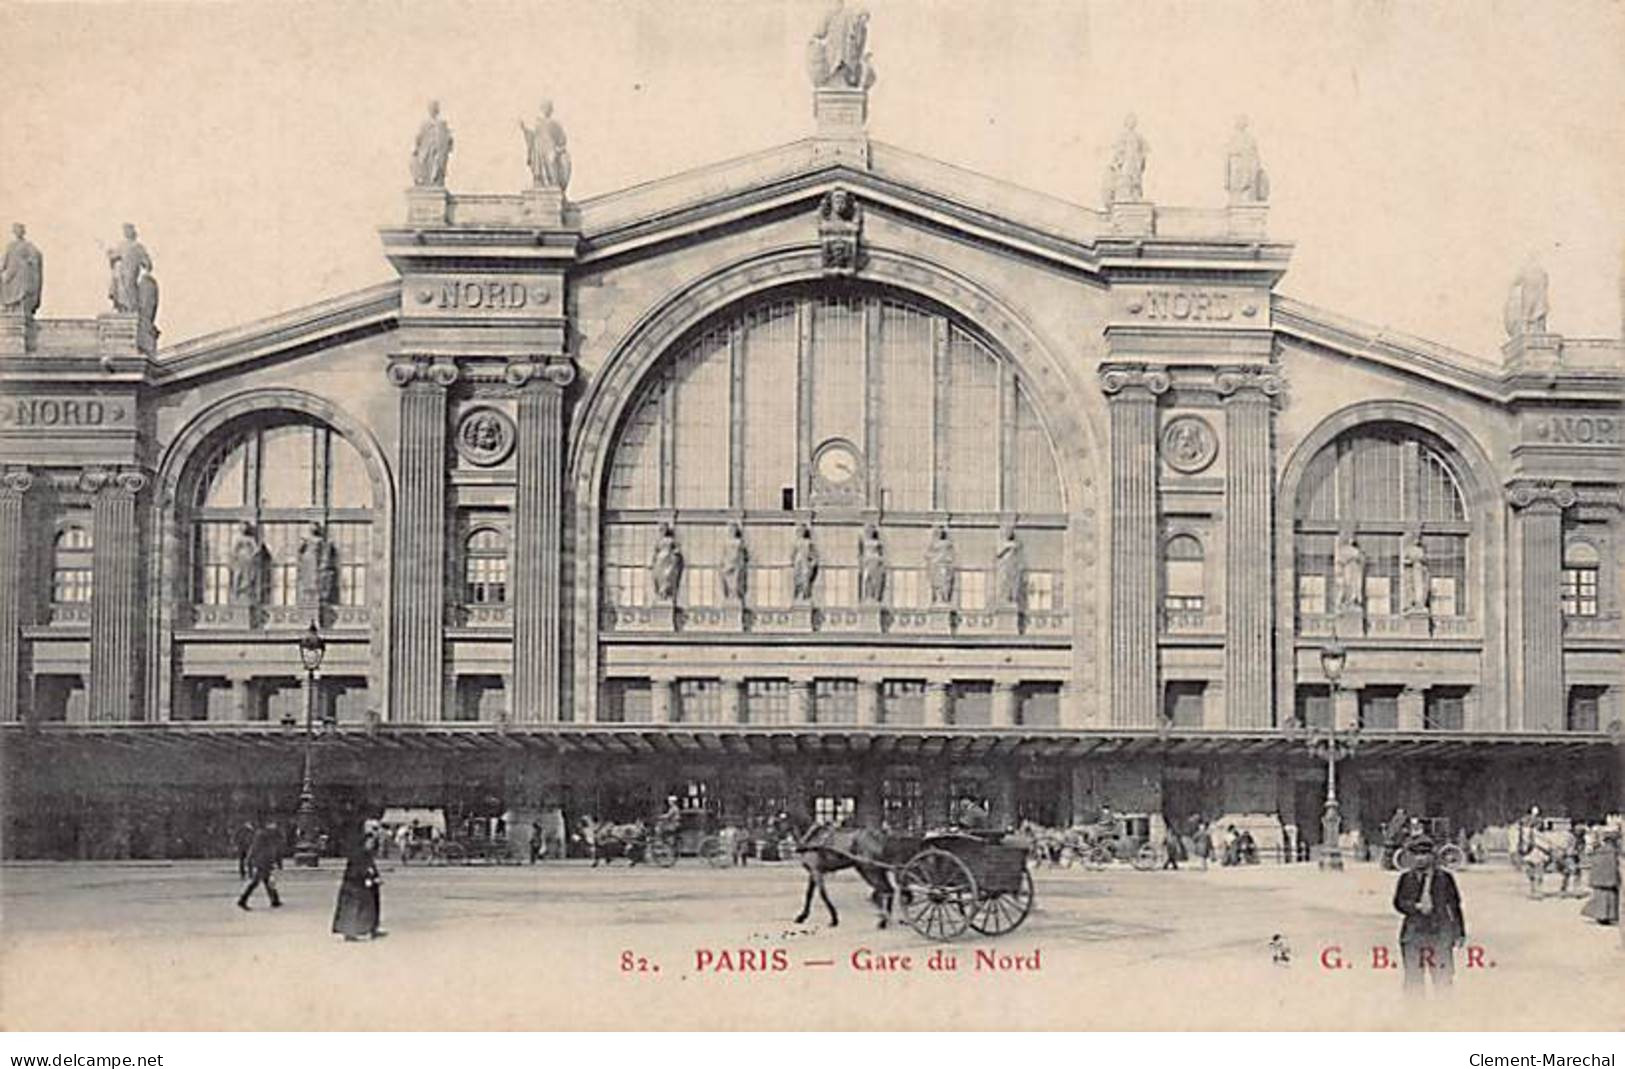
(1133, 218)
(15, 334)
(544, 207)
(1350, 623)
(1533, 352)
(1249, 220)
(862, 620)
(119, 335)
(426, 206)
(1417, 623)
(840, 117)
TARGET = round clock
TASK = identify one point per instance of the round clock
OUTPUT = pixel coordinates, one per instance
(837, 463)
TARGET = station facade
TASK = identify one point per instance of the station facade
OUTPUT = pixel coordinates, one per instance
(830, 479)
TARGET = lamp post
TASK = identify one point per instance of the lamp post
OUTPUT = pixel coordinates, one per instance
(312, 647)
(1327, 744)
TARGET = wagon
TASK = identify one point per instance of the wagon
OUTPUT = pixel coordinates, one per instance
(958, 881)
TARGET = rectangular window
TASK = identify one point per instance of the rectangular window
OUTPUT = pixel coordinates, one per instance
(1314, 568)
(838, 587)
(352, 545)
(767, 701)
(834, 809)
(1311, 595)
(1041, 591)
(1381, 573)
(701, 588)
(903, 701)
(1182, 703)
(835, 701)
(626, 701)
(1580, 591)
(1447, 574)
(900, 807)
(1039, 704)
(1379, 708)
(973, 704)
(699, 701)
(1585, 705)
(907, 588)
(1314, 705)
(973, 590)
(1444, 709)
(213, 556)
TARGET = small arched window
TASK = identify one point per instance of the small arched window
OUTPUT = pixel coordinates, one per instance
(1580, 564)
(72, 574)
(1184, 582)
(485, 567)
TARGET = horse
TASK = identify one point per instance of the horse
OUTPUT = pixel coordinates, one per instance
(606, 842)
(874, 854)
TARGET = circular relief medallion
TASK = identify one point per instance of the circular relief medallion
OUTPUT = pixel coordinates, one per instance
(485, 437)
(1189, 444)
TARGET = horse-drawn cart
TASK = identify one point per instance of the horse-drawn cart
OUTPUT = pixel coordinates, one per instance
(960, 881)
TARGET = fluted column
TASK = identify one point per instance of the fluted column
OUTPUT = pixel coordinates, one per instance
(1538, 506)
(1133, 392)
(538, 527)
(420, 540)
(14, 486)
(1248, 399)
(114, 679)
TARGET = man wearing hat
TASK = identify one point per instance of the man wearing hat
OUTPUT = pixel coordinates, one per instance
(1434, 926)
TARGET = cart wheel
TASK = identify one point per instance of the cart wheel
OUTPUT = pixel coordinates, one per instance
(938, 893)
(1452, 856)
(1100, 856)
(453, 854)
(1403, 861)
(1001, 913)
(1145, 858)
(711, 850)
(660, 852)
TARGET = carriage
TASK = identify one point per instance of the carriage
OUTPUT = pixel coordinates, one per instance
(1439, 830)
(1126, 838)
(958, 881)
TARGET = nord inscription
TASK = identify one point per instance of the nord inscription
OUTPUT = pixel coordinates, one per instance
(60, 412)
(493, 295)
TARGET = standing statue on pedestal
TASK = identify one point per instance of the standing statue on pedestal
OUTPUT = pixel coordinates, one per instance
(1010, 568)
(871, 566)
(1127, 167)
(1349, 560)
(247, 568)
(804, 564)
(129, 263)
(1526, 301)
(318, 568)
(837, 56)
(1413, 558)
(735, 564)
(941, 565)
(1244, 177)
(432, 150)
(22, 275)
(545, 151)
(666, 564)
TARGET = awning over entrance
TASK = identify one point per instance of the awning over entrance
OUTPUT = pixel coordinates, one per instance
(767, 742)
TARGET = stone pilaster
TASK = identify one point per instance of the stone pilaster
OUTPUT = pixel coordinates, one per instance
(1412, 702)
(1248, 401)
(14, 486)
(1538, 510)
(1132, 391)
(114, 668)
(1004, 704)
(801, 701)
(538, 527)
(420, 540)
(1346, 709)
(868, 702)
(733, 701)
(660, 699)
(937, 701)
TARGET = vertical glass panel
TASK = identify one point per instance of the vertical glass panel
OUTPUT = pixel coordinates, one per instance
(837, 370)
(352, 546)
(634, 475)
(1447, 573)
(1378, 467)
(970, 435)
(225, 481)
(1037, 485)
(1317, 494)
(282, 546)
(905, 408)
(1381, 573)
(212, 553)
(1040, 704)
(835, 701)
(770, 386)
(702, 415)
(349, 486)
(288, 467)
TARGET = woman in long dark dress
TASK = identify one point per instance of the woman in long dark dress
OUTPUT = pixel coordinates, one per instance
(358, 911)
(1604, 879)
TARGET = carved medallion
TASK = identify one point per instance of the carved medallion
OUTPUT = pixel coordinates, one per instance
(485, 437)
(1189, 444)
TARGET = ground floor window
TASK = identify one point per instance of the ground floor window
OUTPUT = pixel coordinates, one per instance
(900, 805)
(1314, 707)
(767, 701)
(903, 701)
(1379, 708)
(481, 699)
(1182, 703)
(626, 701)
(835, 701)
(1585, 705)
(973, 704)
(278, 698)
(1039, 801)
(1444, 709)
(206, 698)
(60, 697)
(699, 701)
(1039, 705)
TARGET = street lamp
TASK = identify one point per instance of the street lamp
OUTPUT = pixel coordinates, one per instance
(312, 647)
(1326, 744)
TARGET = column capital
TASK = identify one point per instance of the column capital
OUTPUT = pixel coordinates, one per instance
(1122, 382)
(407, 371)
(1540, 495)
(558, 373)
(15, 482)
(1247, 383)
(130, 481)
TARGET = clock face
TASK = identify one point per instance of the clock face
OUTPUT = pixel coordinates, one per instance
(837, 464)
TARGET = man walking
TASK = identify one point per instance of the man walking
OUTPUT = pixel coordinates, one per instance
(1434, 924)
(263, 857)
(242, 841)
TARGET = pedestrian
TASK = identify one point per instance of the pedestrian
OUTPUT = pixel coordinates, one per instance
(1434, 924)
(359, 907)
(1202, 842)
(1571, 861)
(537, 842)
(242, 841)
(1603, 906)
(403, 840)
(264, 855)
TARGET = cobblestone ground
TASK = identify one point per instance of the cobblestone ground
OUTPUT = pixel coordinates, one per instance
(161, 946)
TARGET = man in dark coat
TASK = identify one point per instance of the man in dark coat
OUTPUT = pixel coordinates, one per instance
(263, 857)
(1434, 924)
(243, 841)
(359, 907)
(1603, 906)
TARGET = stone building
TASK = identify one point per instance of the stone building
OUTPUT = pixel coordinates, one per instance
(831, 478)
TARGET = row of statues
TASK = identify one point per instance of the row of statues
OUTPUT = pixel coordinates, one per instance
(666, 565)
(1245, 180)
(317, 568)
(546, 151)
(1349, 564)
(131, 288)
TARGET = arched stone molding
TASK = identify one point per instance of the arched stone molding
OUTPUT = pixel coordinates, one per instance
(1486, 507)
(1073, 435)
(168, 586)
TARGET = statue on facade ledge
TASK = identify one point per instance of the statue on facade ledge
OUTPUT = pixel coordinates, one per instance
(545, 151)
(1010, 568)
(804, 564)
(735, 564)
(432, 150)
(666, 564)
(22, 275)
(1126, 171)
(1526, 301)
(1244, 176)
(941, 565)
(1413, 558)
(129, 264)
(247, 568)
(318, 568)
(871, 566)
(836, 54)
(1349, 561)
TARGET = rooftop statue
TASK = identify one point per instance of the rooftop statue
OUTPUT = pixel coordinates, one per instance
(1127, 167)
(432, 150)
(1526, 301)
(22, 275)
(1244, 176)
(545, 151)
(836, 54)
(129, 263)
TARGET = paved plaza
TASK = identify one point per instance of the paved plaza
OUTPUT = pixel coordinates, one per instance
(160, 946)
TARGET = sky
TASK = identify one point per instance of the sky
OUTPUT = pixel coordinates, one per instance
(1418, 153)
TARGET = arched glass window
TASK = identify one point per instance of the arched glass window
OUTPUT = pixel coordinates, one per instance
(1580, 565)
(1383, 484)
(1184, 581)
(485, 567)
(72, 574)
(280, 475)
